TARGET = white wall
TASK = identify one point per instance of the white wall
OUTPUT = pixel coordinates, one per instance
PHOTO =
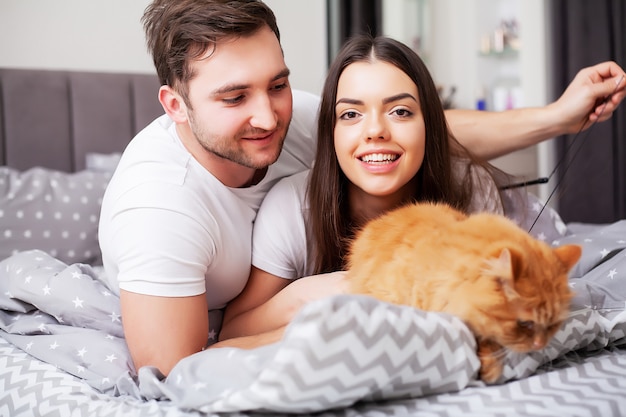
(451, 51)
(106, 35)
(303, 33)
(98, 35)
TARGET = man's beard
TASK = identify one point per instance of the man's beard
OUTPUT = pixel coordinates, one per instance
(229, 149)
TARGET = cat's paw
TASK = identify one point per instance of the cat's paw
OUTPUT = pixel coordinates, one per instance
(490, 370)
(491, 365)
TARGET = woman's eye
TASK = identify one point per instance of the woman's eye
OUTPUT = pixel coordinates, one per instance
(403, 112)
(349, 115)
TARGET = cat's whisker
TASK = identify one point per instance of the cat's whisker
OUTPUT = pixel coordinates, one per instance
(497, 354)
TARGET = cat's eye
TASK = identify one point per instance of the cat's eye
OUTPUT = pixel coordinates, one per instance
(526, 324)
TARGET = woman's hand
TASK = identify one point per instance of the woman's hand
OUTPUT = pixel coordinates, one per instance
(592, 96)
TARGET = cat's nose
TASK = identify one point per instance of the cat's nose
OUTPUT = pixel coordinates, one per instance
(539, 343)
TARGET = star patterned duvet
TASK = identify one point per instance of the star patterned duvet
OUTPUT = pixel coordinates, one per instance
(62, 348)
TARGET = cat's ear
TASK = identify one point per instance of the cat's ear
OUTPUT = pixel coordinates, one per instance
(568, 255)
(502, 268)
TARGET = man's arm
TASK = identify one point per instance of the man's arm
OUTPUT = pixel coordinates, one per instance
(492, 134)
(160, 331)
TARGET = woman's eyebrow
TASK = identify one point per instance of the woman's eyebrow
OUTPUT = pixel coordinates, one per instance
(349, 101)
(386, 100)
(398, 97)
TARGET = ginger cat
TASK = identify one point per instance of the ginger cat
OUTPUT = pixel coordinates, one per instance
(510, 289)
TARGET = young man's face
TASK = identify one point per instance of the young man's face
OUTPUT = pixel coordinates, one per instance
(241, 103)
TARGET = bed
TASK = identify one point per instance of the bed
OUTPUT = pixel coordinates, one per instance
(62, 349)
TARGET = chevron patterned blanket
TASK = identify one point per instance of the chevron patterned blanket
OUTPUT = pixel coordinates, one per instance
(338, 352)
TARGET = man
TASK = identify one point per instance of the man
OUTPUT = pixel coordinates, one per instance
(176, 221)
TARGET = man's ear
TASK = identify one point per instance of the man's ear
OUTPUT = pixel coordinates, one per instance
(173, 104)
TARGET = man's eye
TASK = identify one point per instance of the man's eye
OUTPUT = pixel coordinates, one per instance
(233, 100)
(280, 87)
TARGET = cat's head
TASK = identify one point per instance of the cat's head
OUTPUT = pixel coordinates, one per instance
(525, 295)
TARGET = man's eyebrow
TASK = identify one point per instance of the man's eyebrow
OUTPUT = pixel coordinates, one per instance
(229, 88)
(386, 100)
(283, 74)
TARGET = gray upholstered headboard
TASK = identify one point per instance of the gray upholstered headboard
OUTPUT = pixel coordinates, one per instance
(53, 119)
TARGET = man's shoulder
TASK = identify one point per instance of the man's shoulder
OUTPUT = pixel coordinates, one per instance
(303, 98)
(302, 135)
(305, 111)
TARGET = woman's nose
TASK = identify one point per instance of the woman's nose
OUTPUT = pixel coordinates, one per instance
(376, 128)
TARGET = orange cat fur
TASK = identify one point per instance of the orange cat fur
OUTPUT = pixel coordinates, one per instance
(509, 288)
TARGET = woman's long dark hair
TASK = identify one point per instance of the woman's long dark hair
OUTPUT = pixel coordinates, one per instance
(435, 181)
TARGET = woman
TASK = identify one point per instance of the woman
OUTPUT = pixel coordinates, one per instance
(382, 142)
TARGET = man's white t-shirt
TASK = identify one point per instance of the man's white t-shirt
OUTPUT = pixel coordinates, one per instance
(169, 228)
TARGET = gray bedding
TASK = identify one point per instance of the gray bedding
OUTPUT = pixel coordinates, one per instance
(346, 355)
(62, 351)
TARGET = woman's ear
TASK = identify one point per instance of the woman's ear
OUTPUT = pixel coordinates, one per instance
(173, 104)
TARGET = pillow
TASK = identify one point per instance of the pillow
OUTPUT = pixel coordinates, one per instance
(54, 211)
(531, 214)
(104, 162)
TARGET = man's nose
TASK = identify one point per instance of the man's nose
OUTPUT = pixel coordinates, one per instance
(263, 114)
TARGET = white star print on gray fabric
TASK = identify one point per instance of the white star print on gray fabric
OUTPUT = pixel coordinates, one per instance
(199, 386)
(61, 207)
(78, 302)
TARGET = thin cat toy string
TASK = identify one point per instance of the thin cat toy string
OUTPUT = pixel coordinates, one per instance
(574, 140)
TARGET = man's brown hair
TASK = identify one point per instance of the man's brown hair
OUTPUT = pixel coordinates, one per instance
(181, 31)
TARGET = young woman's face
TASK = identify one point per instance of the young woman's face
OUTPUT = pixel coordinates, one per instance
(379, 132)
